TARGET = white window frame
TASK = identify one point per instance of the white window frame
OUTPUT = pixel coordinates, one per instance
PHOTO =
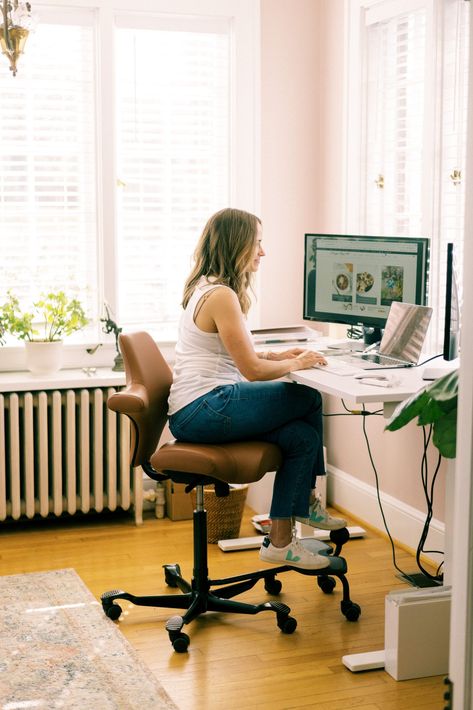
(359, 13)
(244, 18)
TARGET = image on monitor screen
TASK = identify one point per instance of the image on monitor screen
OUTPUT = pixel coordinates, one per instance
(354, 279)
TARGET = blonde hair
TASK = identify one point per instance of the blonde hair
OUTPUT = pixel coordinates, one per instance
(224, 252)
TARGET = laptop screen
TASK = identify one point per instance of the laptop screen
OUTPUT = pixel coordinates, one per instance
(405, 331)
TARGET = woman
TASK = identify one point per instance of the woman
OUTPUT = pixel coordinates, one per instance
(223, 390)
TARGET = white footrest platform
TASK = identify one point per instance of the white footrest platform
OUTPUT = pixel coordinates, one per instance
(251, 543)
(369, 661)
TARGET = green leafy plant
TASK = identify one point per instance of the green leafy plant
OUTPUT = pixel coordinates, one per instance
(56, 313)
(435, 404)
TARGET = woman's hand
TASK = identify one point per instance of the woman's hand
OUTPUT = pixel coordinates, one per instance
(308, 358)
(284, 355)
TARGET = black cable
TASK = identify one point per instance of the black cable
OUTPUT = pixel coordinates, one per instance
(434, 357)
(354, 412)
(354, 333)
(378, 495)
(429, 497)
(362, 412)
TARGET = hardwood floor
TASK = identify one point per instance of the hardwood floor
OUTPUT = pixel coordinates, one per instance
(233, 661)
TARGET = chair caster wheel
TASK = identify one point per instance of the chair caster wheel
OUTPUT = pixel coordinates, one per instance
(287, 625)
(113, 611)
(181, 643)
(326, 584)
(351, 610)
(272, 586)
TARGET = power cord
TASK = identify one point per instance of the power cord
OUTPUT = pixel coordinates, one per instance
(354, 333)
(378, 495)
(429, 497)
(434, 357)
(428, 492)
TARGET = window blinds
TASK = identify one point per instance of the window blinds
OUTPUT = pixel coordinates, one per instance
(402, 137)
(453, 122)
(48, 222)
(394, 121)
(173, 135)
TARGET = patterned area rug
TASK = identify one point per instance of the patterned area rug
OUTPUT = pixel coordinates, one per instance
(59, 650)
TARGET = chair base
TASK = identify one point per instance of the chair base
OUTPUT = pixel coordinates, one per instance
(204, 594)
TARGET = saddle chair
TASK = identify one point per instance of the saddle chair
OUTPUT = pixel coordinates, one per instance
(144, 401)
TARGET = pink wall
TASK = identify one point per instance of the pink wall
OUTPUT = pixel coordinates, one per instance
(290, 150)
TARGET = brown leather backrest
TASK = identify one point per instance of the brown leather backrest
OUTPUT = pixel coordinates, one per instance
(144, 399)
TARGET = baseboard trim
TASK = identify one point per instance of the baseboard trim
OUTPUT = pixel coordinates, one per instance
(350, 495)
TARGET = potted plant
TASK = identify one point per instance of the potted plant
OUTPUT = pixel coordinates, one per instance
(56, 316)
(435, 404)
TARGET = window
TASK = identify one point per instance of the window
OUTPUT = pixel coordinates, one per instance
(173, 118)
(48, 163)
(395, 99)
(125, 128)
(410, 65)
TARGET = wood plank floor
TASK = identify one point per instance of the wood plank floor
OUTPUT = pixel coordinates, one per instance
(233, 661)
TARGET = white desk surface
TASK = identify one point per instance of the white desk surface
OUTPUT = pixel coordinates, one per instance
(347, 387)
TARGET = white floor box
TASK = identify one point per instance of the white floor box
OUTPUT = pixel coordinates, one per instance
(417, 632)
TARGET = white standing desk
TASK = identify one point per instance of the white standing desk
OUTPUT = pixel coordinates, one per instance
(347, 387)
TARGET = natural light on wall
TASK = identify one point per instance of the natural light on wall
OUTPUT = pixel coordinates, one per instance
(173, 114)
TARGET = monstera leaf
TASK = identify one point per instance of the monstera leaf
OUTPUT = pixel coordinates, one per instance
(435, 404)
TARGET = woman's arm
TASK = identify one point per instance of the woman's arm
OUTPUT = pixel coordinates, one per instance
(284, 355)
(222, 311)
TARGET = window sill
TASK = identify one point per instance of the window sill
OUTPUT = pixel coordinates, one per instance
(64, 379)
(76, 359)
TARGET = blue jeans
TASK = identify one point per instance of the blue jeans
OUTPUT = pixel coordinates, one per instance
(283, 413)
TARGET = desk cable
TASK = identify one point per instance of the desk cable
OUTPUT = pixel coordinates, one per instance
(424, 362)
(428, 491)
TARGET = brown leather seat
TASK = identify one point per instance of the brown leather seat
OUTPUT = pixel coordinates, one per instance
(144, 401)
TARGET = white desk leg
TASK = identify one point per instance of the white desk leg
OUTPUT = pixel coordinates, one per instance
(449, 500)
(376, 659)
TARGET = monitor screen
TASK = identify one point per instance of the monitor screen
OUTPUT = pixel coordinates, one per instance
(451, 334)
(354, 279)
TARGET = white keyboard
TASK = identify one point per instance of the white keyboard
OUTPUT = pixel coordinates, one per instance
(336, 366)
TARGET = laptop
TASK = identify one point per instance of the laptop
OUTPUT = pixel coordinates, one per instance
(402, 341)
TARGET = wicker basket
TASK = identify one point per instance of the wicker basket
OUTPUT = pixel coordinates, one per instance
(224, 513)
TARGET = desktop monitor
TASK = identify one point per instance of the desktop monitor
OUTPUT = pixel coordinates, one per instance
(451, 334)
(354, 279)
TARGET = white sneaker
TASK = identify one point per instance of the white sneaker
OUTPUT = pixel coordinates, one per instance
(292, 555)
(321, 518)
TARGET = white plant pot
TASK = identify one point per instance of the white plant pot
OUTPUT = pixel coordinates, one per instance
(43, 358)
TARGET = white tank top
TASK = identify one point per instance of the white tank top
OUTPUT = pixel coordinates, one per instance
(202, 362)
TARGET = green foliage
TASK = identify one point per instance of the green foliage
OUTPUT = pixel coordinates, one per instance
(58, 315)
(435, 404)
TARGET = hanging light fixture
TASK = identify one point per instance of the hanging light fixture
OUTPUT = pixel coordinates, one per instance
(16, 23)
